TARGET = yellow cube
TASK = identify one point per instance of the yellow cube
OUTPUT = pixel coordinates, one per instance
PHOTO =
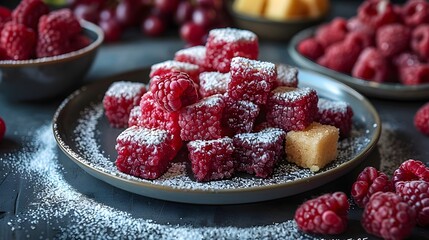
(316, 8)
(285, 9)
(250, 7)
(313, 147)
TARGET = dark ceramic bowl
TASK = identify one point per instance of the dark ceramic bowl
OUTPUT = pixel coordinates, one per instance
(271, 29)
(48, 77)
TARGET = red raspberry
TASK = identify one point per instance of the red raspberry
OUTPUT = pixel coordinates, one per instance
(333, 32)
(411, 170)
(310, 48)
(420, 41)
(421, 119)
(171, 65)
(18, 41)
(392, 39)
(335, 113)
(340, 57)
(416, 194)
(415, 12)
(5, 16)
(173, 90)
(2, 128)
(388, 216)
(369, 181)
(79, 42)
(212, 159)
(414, 75)
(326, 214)
(356, 25)
(371, 65)
(28, 12)
(359, 38)
(377, 13)
(406, 59)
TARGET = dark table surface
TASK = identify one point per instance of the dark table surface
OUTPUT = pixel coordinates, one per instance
(90, 208)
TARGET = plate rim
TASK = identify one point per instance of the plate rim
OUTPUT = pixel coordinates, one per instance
(344, 167)
(391, 91)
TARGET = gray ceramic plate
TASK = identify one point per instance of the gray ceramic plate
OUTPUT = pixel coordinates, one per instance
(84, 134)
(393, 91)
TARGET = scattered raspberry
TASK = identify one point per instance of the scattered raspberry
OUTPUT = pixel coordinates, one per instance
(371, 65)
(388, 216)
(2, 128)
(415, 12)
(310, 48)
(340, 57)
(336, 113)
(411, 170)
(18, 41)
(202, 120)
(28, 12)
(326, 214)
(291, 108)
(421, 119)
(212, 159)
(392, 39)
(416, 194)
(287, 76)
(226, 43)
(369, 181)
(173, 90)
(119, 99)
(262, 74)
(144, 152)
(414, 75)
(377, 13)
(258, 153)
(239, 116)
(420, 40)
(331, 33)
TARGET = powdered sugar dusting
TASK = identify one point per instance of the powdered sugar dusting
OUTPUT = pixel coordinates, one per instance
(196, 52)
(143, 136)
(198, 145)
(266, 136)
(245, 64)
(287, 75)
(177, 177)
(73, 215)
(335, 106)
(211, 101)
(125, 89)
(214, 82)
(232, 35)
(171, 64)
(291, 94)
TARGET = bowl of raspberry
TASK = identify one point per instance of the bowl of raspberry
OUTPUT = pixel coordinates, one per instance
(44, 58)
(382, 52)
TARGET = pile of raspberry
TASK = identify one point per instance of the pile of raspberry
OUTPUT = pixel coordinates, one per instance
(32, 31)
(392, 206)
(384, 43)
(227, 109)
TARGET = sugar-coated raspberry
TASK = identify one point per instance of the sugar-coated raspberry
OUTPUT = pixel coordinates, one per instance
(119, 99)
(326, 214)
(386, 215)
(173, 66)
(377, 13)
(421, 119)
(287, 76)
(370, 181)
(212, 159)
(414, 75)
(226, 43)
(258, 153)
(336, 113)
(415, 12)
(310, 48)
(411, 170)
(420, 40)
(202, 120)
(144, 152)
(135, 116)
(2, 129)
(195, 55)
(18, 41)
(416, 194)
(371, 65)
(291, 108)
(239, 116)
(332, 32)
(213, 83)
(153, 116)
(392, 39)
(173, 90)
(28, 12)
(340, 56)
(251, 80)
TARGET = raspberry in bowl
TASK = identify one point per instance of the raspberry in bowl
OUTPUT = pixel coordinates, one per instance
(47, 60)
